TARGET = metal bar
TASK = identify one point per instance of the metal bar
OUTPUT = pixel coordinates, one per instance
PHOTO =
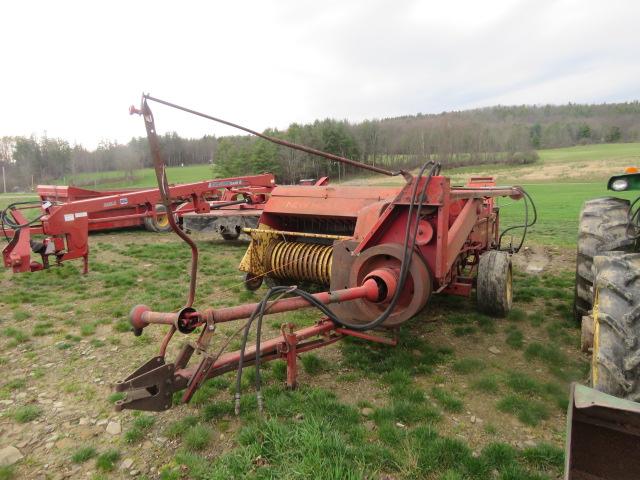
(278, 141)
(461, 193)
(365, 336)
(369, 290)
(163, 186)
(267, 347)
(459, 232)
(296, 234)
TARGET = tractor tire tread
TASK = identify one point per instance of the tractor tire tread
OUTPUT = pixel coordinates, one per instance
(616, 356)
(604, 226)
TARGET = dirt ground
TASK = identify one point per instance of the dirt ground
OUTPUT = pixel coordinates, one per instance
(57, 373)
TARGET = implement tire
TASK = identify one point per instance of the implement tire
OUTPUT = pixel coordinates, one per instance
(494, 291)
(616, 314)
(604, 226)
(160, 222)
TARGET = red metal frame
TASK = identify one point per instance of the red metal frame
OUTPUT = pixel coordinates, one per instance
(67, 225)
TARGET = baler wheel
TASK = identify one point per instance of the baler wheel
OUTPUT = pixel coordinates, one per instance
(252, 282)
(494, 283)
(416, 292)
(615, 362)
(604, 225)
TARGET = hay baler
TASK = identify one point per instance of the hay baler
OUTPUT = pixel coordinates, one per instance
(379, 253)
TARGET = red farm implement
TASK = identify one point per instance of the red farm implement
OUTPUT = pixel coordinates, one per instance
(68, 214)
(380, 253)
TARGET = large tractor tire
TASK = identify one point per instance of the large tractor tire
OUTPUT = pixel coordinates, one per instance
(494, 290)
(604, 226)
(159, 223)
(616, 325)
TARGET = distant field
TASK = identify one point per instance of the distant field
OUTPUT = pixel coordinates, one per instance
(145, 177)
(558, 209)
(587, 163)
(583, 163)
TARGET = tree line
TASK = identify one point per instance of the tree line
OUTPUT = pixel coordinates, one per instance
(499, 134)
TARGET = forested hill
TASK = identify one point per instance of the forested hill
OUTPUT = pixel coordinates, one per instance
(500, 134)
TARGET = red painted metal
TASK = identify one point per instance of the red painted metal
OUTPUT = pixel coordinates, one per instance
(68, 224)
(141, 316)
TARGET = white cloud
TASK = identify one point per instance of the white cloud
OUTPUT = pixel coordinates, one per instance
(72, 68)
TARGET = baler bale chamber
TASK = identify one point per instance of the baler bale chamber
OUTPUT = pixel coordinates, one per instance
(335, 236)
(374, 254)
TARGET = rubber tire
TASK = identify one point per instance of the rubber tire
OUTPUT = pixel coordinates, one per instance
(494, 286)
(604, 226)
(616, 312)
(165, 228)
(229, 236)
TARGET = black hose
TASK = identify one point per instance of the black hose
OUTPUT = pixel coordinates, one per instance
(525, 226)
(6, 219)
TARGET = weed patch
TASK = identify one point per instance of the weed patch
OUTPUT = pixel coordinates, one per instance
(448, 401)
(528, 411)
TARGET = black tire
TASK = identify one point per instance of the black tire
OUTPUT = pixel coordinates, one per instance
(252, 282)
(148, 224)
(604, 226)
(232, 234)
(494, 290)
(616, 314)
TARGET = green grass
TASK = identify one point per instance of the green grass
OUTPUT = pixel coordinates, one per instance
(528, 411)
(198, 437)
(515, 338)
(582, 153)
(83, 454)
(141, 178)
(487, 384)
(7, 472)
(468, 365)
(107, 460)
(177, 428)
(313, 364)
(26, 413)
(558, 206)
(447, 400)
(141, 424)
(544, 456)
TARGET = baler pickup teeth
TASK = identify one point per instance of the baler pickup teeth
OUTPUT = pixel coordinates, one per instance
(149, 388)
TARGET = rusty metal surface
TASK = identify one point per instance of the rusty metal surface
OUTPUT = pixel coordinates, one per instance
(603, 437)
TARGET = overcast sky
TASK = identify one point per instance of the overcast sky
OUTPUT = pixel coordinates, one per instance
(73, 68)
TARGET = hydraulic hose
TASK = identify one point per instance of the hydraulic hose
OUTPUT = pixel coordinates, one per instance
(525, 226)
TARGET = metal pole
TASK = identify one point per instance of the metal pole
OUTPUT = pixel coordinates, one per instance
(4, 181)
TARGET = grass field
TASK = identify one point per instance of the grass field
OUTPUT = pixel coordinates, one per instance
(558, 207)
(145, 177)
(440, 405)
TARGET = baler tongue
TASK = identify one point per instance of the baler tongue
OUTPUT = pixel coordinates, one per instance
(149, 388)
(603, 437)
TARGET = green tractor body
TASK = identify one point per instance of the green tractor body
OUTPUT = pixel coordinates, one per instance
(624, 182)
